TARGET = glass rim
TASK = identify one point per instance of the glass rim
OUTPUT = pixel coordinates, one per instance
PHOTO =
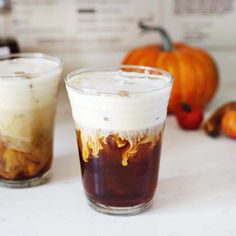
(32, 55)
(115, 68)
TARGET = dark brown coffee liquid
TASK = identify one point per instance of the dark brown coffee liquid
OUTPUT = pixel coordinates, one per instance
(108, 182)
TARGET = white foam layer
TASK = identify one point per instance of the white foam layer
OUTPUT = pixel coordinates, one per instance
(23, 82)
(114, 82)
(118, 101)
(29, 66)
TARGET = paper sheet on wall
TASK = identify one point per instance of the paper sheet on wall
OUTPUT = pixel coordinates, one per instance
(207, 23)
(82, 25)
(112, 25)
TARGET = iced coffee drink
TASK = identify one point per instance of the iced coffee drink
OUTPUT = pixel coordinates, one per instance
(119, 116)
(28, 88)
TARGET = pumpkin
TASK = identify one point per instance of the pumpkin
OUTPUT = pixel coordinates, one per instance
(229, 123)
(194, 71)
(213, 125)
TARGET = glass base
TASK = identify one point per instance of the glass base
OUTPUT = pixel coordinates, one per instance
(125, 211)
(26, 183)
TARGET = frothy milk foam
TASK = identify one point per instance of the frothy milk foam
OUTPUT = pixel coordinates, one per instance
(119, 100)
(22, 79)
(31, 66)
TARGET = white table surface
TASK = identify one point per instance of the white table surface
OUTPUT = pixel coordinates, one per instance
(196, 193)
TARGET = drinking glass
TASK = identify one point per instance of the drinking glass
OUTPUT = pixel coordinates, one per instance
(28, 90)
(119, 116)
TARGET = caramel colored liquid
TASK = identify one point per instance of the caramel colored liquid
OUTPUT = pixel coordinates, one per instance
(110, 180)
(21, 165)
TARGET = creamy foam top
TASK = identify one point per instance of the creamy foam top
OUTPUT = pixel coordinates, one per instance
(117, 101)
(114, 82)
(25, 67)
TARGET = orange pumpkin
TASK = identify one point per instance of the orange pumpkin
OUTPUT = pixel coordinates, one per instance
(229, 123)
(194, 71)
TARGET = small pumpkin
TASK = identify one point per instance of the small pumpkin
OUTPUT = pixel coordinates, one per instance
(194, 70)
(229, 123)
(213, 126)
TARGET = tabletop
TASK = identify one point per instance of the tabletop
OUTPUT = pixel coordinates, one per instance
(196, 193)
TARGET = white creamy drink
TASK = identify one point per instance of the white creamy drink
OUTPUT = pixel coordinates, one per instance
(119, 100)
(119, 117)
(28, 88)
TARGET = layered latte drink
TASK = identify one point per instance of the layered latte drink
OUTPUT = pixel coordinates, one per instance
(28, 88)
(119, 116)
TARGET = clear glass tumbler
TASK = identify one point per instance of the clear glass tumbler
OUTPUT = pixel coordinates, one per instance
(28, 91)
(119, 114)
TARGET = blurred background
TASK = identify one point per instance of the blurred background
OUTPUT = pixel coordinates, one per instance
(100, 32)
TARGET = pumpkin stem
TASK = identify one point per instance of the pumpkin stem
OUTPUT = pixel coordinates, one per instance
(167, 43)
